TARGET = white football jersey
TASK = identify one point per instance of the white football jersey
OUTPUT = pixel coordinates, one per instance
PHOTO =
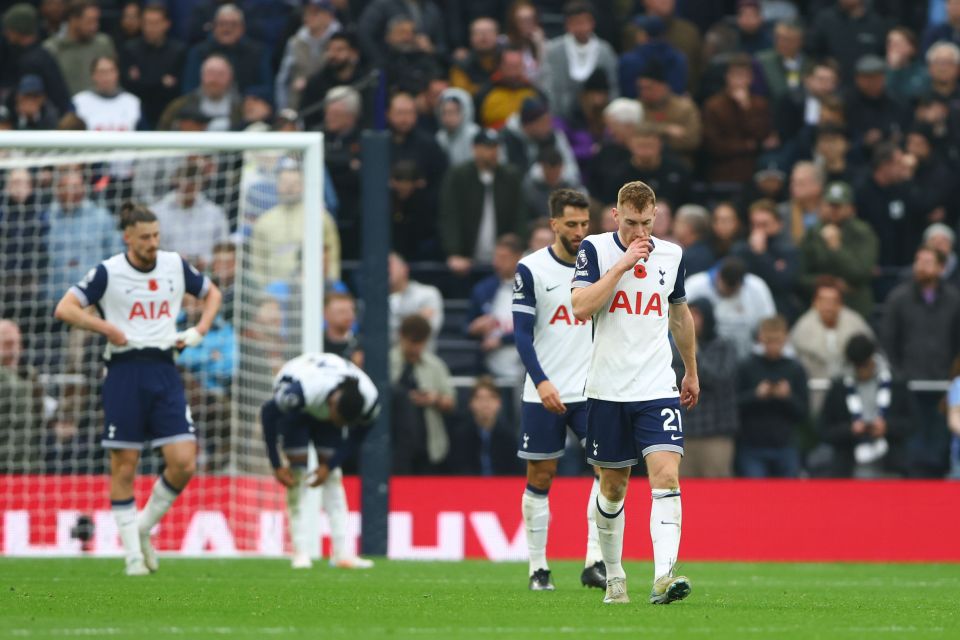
(561, 342)
(142, 304)
(631, 348)
(306, 381)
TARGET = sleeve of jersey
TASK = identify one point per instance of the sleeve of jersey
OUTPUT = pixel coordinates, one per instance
(269, 417)
(355, 436)
(587, 269)
(91, 289)
(679, 295)
(195, 283)
(524, 295)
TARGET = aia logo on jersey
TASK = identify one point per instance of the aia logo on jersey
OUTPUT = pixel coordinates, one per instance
(654, 306)
(153, 285)
(150, 310)
(640, 270)
(563, 316)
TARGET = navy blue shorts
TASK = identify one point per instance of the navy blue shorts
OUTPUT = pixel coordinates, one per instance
(144, 402)
(620, 433)
(297, 429)
(544, 434)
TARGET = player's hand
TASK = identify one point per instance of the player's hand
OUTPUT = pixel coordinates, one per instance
(690, 391)
(550, 397)
(459, 265)
(764, 389)
(189, 338)
(878, 428)
(319, 475)
(423, 398)
(284, 476)
(859, 427)
(638, 250)
(114, 335)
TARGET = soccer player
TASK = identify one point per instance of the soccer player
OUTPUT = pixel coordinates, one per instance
(631, 284)
(138, 294)
(555, 349)
(315, 396)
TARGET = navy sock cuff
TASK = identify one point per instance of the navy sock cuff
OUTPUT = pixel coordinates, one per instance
(610, 515)
(170, 487)
(122, 504)
(537, 492)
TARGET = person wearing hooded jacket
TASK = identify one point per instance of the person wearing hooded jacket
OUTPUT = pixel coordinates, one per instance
(457, 127)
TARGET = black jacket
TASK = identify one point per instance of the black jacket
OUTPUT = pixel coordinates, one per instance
(922, 339)
(467, 449)
(896, 216)
(770, 422)
(779, 267)
(143, 67)
(670, 181)
(36, 60)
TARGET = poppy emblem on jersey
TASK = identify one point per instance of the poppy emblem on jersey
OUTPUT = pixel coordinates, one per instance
(152, 285)
(640, 270)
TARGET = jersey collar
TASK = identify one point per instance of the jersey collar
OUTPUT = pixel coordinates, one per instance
(616, 238)
(135, 267)
(557, 258)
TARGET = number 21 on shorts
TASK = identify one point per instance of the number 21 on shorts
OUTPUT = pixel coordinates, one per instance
(669, 416)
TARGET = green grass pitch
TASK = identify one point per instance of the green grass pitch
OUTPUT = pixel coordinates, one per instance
(265, 599)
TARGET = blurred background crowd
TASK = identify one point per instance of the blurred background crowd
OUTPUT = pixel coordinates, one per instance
(803, 154)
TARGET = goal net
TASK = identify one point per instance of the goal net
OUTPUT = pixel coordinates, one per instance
(243, 208)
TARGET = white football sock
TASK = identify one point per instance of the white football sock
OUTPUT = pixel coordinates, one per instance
(125, 514)
(610, 521)
(334, 501)
(295, 518)
(161, 498)
(593, 543)
(665, 521)
(536, 518)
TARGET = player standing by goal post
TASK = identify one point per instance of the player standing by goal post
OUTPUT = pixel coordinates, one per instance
(631, 284)
(555, 349)
(139, 294)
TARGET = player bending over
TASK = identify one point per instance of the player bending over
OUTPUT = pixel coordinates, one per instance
(550, 340)
(631, 284)
(139, 294)
(314, 396)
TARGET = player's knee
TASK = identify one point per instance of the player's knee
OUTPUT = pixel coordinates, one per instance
(541, 473)
(613, 487)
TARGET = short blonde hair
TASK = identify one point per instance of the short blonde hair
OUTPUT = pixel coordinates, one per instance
(637, 194)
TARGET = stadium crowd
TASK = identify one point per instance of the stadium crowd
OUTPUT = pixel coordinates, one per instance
(803, 154)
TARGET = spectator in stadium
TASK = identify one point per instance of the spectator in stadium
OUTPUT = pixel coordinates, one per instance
(772, 255)
(682, 34)
(190, 223)
(249, 59)
(831, 154)
(278, 235)
(942, 238)
(846, 32)
(24, 55)
(129, 25)
(509, 89)
(785, 65)
(572, 58)
(216, 98)
(339, 322)
(428, 101)
(652, 164)
(410, 61)
(475, 69)
(620, 118)
(772, 395)
(414, 225)
(921, 336)
(151, 65)
(801, 212)
(223, 272)
(409, 297)
(545, 177)
(709, 431)
(457, 126)
(341, 155)
(842, 246)
(490, 318)
(737, 126)
(53, 16)
(530, 130)
(676, 116)
(303, 55)
(953, 420)
(867, 415)
(888, 201)
(81, 233)
(931, 180)
(652, 55)
(725, 228)
(541, 235)
(872, 114)
(482, 443)
(212, 362)
(257, 107)
(943, 66)
(690, 228)
(106, 106)
(341, 66)
(823, 331)
(76, 47)
(31, 109)
(479, 202)
(409, 142)
(523, 32)
(373, 25)
(585, 129)
(21, 405)
(799, 111)
(422, 394)
(906, 77)
(23, 250)
(946, 31)
(740, 300)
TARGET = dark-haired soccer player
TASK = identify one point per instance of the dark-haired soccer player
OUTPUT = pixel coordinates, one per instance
(139, 294)
(555, 349)
(315, 396)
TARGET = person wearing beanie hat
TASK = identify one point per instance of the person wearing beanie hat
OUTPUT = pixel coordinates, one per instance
(24, 55)
(652, 49)
(571, 58)
(32, 110)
